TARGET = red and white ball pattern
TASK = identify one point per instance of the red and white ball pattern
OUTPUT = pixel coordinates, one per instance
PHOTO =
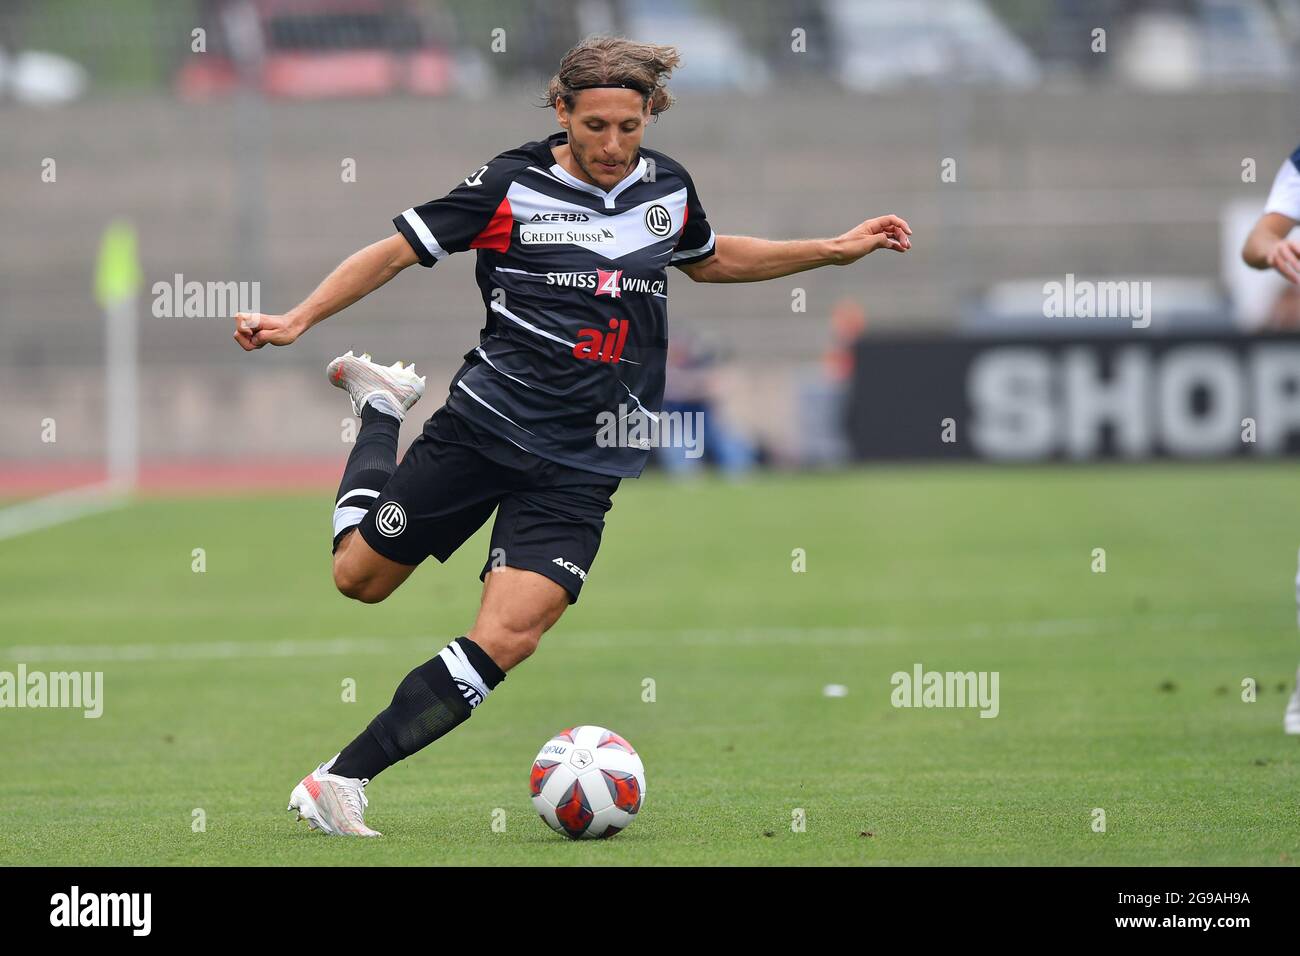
(587, 783)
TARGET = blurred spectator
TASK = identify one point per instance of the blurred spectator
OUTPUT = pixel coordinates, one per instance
(691, 390)
(823, 400)
(848, 324)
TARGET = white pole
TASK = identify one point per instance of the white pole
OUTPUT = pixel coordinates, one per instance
(118, 279)
(121, 394)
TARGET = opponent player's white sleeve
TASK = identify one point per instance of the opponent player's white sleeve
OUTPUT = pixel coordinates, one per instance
(1284, 198)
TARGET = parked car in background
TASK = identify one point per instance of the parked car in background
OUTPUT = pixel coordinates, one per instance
(317, 50)
(714, 55)
(882, 46)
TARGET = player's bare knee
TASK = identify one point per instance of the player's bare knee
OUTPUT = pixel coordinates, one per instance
(525, 642)
(520, 641)
(505, 643)
(357, 585)
(372, 593)
(345, 580)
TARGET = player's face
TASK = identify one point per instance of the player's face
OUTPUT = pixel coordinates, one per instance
(605, 130)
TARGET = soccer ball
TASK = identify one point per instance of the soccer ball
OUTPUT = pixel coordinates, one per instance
(587, 783)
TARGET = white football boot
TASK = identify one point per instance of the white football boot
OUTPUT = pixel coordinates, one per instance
(1292, 719)
(332, 804)
(363, 379)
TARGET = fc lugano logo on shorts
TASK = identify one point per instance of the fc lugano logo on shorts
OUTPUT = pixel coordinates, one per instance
(658, 220)
(390, 520)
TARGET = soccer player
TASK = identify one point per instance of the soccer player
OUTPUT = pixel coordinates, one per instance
(574, 235)
(1269, 246)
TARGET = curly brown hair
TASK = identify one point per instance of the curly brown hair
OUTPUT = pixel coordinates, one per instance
(605, 59)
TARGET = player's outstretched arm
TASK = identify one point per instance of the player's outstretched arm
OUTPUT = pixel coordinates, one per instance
(745, 259)
(356, 277)
(1267, 246)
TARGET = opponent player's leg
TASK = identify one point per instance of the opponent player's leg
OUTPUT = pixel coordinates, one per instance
(381, 396)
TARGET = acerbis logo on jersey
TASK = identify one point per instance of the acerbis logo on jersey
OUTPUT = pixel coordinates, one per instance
(532, 236)
(571, 568)
(390, 520)
(611, 282)
(560, 217)
(658, 220)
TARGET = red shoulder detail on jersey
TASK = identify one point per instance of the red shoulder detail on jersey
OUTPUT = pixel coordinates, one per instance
(496, 234)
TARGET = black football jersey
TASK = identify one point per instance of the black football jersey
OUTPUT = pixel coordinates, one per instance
(574, 282)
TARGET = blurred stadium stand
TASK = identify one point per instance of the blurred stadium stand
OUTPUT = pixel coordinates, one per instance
(1068, 161)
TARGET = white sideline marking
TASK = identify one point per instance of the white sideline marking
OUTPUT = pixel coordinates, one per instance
(245, 650)
(58, 508)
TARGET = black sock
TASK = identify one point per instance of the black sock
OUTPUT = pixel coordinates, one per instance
(436, 697)
(373, 460)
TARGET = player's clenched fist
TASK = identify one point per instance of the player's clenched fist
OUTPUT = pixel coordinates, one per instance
(254, 329)
(883, 232)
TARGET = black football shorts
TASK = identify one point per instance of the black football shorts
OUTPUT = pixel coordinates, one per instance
(549, 516)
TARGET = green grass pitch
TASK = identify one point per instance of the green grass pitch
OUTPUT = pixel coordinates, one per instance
(1119, 690)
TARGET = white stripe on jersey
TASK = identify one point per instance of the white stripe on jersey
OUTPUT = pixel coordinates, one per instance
(538, 169)
(470, 393)
(498, 307)
(638, 404)
(687, 253)
(1284, 198)
(566, 177)
(480, 351)
(415, 222)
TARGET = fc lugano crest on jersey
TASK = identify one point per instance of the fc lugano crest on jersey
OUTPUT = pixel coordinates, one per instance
(575, 289)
